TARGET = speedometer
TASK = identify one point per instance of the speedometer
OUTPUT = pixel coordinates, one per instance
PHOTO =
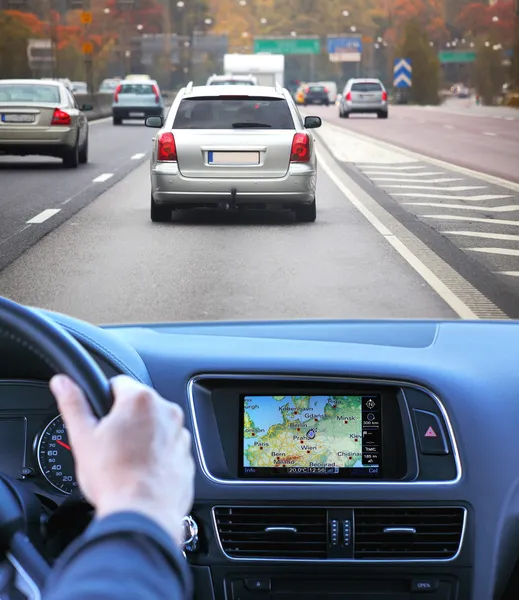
(55, 457)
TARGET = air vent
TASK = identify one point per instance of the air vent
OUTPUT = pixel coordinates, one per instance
(408, 533)
(272, 532)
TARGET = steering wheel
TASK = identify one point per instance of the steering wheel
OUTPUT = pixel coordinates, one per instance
(63, 354)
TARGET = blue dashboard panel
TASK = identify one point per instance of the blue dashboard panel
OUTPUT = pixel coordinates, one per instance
(472, 367)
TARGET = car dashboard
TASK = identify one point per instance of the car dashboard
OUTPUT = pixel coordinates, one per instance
(334, 459)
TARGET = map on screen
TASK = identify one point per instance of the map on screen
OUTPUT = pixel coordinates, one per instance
(311, 432)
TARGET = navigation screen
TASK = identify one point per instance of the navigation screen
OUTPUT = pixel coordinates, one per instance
(311, 436)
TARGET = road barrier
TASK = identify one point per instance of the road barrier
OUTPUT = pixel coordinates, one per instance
(102, 103)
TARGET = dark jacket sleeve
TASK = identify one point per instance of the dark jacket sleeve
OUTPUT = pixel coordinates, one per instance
(124, 556)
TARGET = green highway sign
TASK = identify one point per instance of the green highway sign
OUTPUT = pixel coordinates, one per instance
(456, 56)
(288, 45)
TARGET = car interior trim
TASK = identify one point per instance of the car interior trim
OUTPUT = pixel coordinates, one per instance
(357, 561)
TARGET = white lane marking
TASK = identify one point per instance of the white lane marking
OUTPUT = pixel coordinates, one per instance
(103, 177)
(44, 215)
(388, 167)
(509, 118)
(457, 305)
(509, 237)
(510, 208)
(444, 180)
(456, 188)
(472, 219)
(138, 156)
(511, 273)
(478, 198)
(448, 126)
(377, 172)
(501, 251)
(489, 133)
(512, 185)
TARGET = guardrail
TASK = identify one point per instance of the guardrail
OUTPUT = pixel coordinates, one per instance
(102, 103)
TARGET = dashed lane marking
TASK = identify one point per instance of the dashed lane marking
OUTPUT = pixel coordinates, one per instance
(103, 177)
(44, 215)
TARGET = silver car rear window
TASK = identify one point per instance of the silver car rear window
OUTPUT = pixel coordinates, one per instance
(366, 87)
(233, 112)
(137, 88)
(26, 92)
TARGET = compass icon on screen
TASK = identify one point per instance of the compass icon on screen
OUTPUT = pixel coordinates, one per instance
(370, 404)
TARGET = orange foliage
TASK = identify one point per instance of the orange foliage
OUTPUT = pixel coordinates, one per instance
(477, 19)
(430, 13)
(28, 20)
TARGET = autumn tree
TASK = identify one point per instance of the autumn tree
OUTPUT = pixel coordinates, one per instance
(494, 23)
(426, 66)
(16, 28)
(489, 72)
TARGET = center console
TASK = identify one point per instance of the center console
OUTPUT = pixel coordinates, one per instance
(288, 434)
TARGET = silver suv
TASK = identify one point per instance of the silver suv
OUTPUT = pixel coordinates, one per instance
(233, 147)
(364, 96)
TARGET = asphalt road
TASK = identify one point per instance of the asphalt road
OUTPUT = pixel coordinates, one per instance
(462, 136)
(381, 247)
(110, 263)
(29, 186)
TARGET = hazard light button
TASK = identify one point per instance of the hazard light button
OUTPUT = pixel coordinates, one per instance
(430, 433)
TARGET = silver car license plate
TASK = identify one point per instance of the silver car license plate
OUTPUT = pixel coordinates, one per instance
(234, 158)
(17, 118)
(136, 114)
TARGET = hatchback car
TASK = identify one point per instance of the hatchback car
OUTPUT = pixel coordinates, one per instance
(239, 147)
(44, 118)
(316, 93)
(136, 100)
(364, 96)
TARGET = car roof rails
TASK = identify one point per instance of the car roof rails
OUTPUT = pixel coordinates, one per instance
(189, 87)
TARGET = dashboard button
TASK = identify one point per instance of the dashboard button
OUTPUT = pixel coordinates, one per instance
(261, 584)
(430, 433)
(424, 585)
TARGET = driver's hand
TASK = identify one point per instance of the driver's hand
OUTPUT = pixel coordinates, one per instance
(137, 458)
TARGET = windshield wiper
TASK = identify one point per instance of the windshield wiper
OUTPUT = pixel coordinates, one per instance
(245, 125)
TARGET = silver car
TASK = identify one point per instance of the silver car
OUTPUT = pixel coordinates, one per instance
(136, 99)
(44, 118)
(364, 96)
(233, 147)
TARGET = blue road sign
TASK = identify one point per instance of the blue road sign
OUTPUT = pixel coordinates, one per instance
(402, 73)
(346, 44)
